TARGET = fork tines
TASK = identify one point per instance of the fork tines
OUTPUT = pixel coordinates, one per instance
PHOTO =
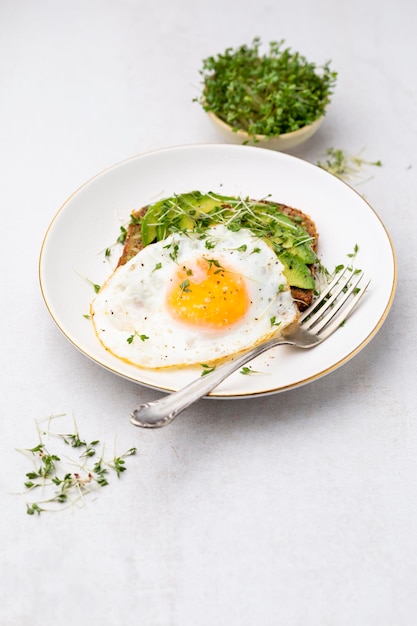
(335, 303)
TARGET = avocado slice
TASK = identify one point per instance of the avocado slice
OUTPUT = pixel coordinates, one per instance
(150, 222)
(304, 252)
(196, 203)
(177, 213)
(183, 212)
(296, 272)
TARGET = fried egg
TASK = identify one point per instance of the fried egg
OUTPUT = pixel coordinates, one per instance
(193, 299)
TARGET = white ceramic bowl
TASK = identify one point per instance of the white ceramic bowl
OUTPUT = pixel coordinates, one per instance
(281, 142)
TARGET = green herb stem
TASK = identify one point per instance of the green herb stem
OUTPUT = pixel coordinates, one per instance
(62, 485)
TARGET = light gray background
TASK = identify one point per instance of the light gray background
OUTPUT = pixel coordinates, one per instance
(295, 509)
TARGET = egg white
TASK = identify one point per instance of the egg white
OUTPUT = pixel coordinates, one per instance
(132, 320)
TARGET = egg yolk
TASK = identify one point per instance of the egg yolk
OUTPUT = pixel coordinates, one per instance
(206, 294)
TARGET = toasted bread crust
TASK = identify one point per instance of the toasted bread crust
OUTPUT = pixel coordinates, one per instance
(302, 297)
(133, 242)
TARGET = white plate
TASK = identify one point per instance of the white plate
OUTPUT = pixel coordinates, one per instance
(73, 252)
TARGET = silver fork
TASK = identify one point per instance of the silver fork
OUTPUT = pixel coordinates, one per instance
(326, 314)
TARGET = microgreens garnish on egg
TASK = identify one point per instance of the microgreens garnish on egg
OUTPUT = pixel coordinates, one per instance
(215, 263)
(142, 337)
(174, 254)
(274, 321)
(207, 369)
(205, 306)
(200, 308)
(185, 286)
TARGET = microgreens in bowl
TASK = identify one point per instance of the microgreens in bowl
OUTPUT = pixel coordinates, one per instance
(265, 94)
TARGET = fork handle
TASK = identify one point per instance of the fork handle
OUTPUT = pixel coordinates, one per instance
(161, 412)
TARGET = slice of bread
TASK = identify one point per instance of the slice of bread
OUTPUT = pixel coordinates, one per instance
(303, 297)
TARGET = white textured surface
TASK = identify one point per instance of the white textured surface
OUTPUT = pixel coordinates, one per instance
(292, 509)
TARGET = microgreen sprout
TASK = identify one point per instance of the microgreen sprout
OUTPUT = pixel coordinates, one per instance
(246, 371)
(341, 266)
(119, 464)
(95, 286)
(273, 321)
(216, 263)
(207, 369)
(174, 254)
(136, 218)
(185, 286)
(64, 481)
(31, 509)
(123, 230)
(122, 237)
(140, 336)
(353, 254)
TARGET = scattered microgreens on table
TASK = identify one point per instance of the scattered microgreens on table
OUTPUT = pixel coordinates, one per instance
(343, 165)
(61, 481)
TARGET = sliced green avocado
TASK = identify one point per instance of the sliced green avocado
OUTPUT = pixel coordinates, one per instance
(150, 222)
(183, 212)
(177, 213)
(296, 272)
(304, 252)
(196, 203)
(187, 222)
